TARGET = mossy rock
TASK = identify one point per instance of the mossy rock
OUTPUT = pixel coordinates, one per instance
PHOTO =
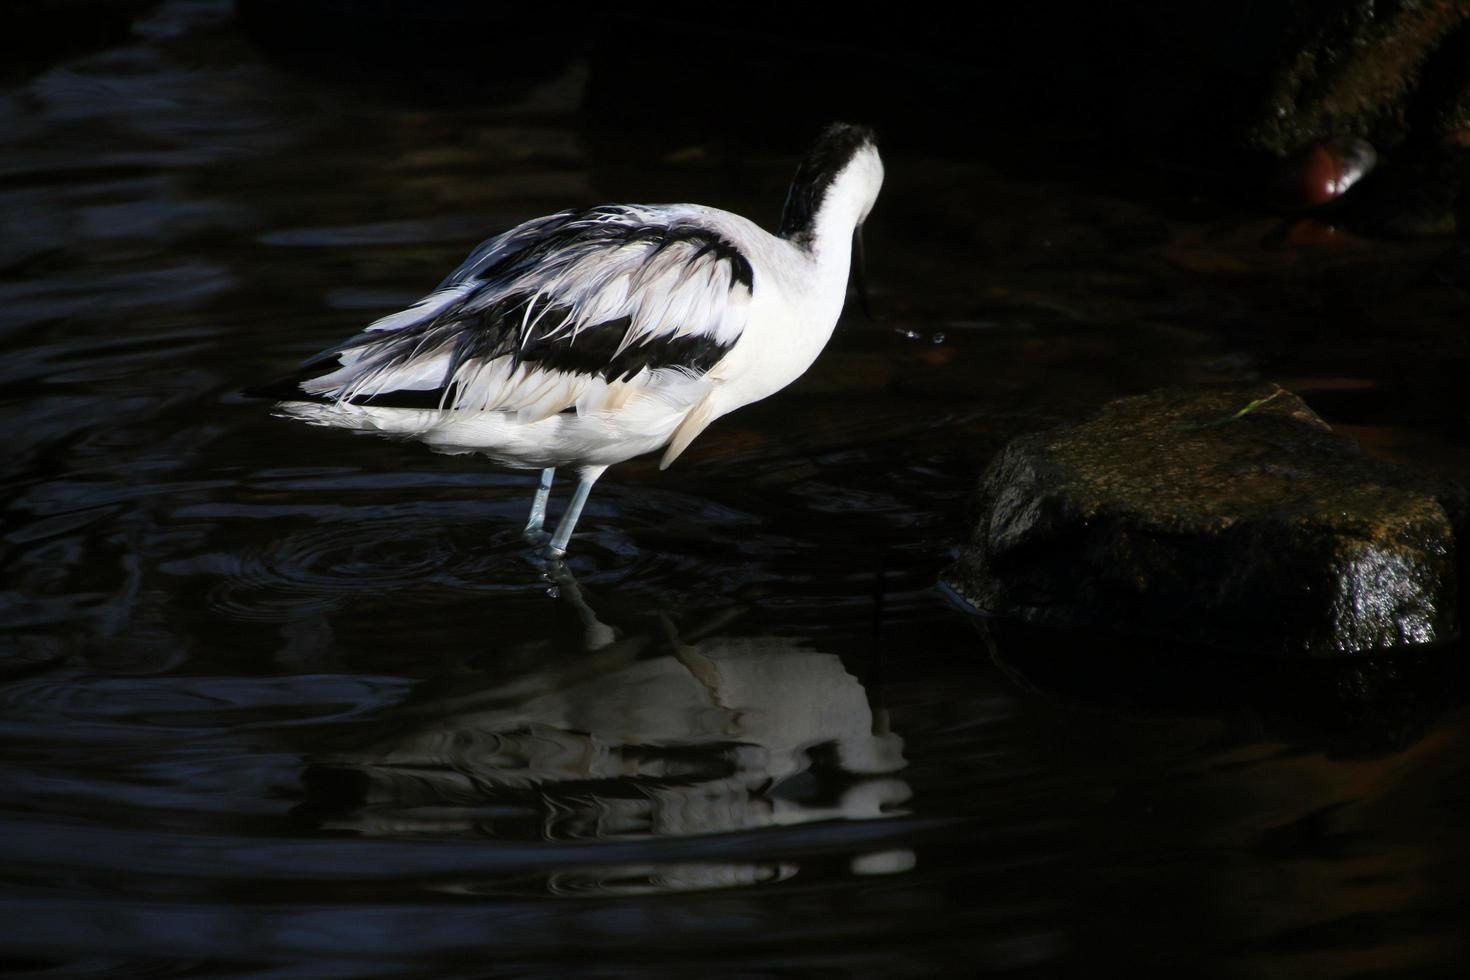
(1227, 516)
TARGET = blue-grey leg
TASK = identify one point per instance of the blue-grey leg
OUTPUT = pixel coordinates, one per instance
(587, 476)
(538, 505)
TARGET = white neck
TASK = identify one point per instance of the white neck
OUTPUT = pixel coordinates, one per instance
(845, 205)
(824, 205)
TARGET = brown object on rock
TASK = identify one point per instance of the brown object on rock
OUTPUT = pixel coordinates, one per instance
(1324, 171)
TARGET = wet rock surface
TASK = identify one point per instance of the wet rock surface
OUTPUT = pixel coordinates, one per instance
(1226, 516)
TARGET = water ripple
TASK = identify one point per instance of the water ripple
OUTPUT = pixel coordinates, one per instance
(311, 570)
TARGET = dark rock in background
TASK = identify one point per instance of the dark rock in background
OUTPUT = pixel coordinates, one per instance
(1396, 74)
(1366, 68)
(1229, 517)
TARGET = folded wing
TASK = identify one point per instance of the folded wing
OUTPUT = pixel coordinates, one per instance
(580, 309)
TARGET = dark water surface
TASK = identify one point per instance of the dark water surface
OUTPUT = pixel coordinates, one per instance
(277, 701)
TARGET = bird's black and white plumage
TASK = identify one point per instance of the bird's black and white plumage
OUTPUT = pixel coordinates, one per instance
(593, 335)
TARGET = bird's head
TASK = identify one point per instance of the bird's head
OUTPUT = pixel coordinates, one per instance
(833, 192)
(836, 184)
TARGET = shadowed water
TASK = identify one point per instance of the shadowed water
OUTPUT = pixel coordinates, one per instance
(279, 701)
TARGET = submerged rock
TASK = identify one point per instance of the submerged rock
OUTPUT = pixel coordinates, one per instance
(1346, 707)
(1230, 516)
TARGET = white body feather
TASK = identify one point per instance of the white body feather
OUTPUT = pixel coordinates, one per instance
(523, 415)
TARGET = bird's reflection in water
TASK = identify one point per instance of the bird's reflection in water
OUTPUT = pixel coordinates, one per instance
(652, 734)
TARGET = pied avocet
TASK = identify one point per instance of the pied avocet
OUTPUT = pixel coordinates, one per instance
(594, 335)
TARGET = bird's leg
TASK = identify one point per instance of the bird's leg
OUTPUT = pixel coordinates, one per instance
(538, 505)
(587, 476)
